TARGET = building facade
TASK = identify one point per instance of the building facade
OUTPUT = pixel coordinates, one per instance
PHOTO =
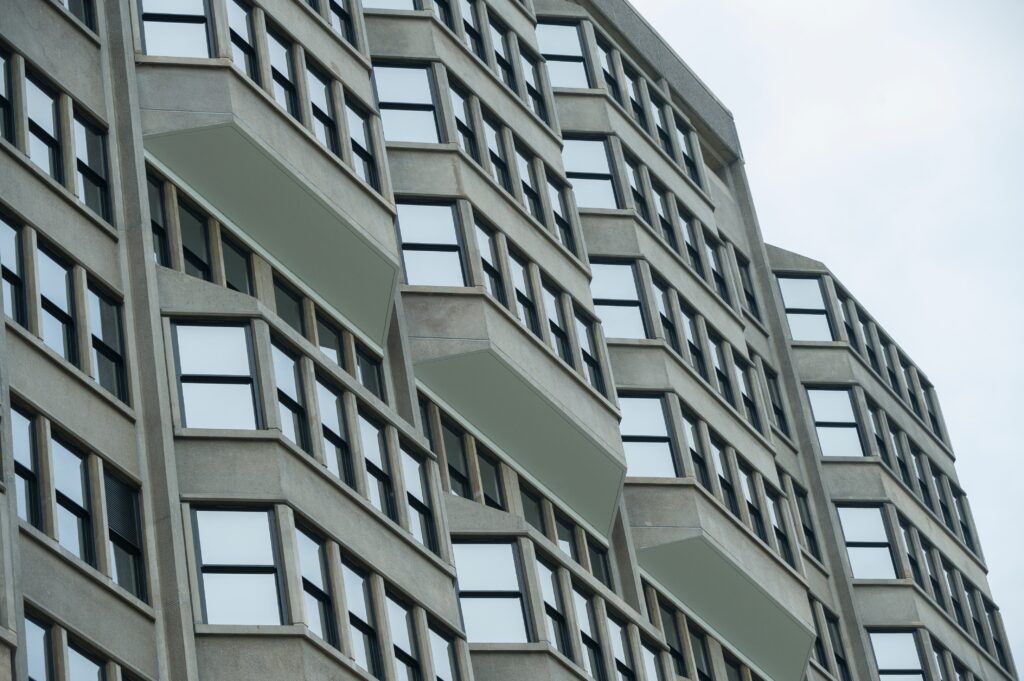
(437, 339)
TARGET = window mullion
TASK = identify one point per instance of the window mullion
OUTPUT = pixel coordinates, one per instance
(98, 514)
(290, 576)
(221, 31)
(336, 587)
(66, 135)
(355, 444)
(386, 646)
(47, 488)
(259, 29)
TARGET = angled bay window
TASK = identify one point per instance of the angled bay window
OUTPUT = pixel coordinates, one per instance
(417, 494)
(431, 245)
(92, 184)
(106, 341)
(804, 301)
(497, 152)
(588, 167)
(11, 265)
(175, 28)
(362, 618)
(58, 325)
(379, 485)
(74, 506)
(645, 437)
(44, 138)
(406, 101)
(26, 466)
(558, 330)
(321, 99)
(216, 383)
(238, 566)
(124, 534)
(617, 300)
(290, 398)
(243, 43)
(364, 160)
(897, 656)
(867, 542)
(526, 302)
(465, 126)
(316, 589)
(195, 241)
(282, 72)
(490, 592)
(562, 48)
(835, 422)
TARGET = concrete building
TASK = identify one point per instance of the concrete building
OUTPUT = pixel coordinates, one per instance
(437, 339)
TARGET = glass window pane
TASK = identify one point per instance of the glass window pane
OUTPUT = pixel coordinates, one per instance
(442, 650)
(871, 562)
(53, 281)
(832, 405)
(310, 559)
(895, 650)
(863, 524)
(486, 567)
(41, 107)
(176, 39)
(241, 598)
(433, 268)
(594, 193)
(68, 473)
(82, 668)
(401, 125)
(427, 224)
(561, 39)
(809, 327)
(568, 74)
(621, 321)
(642, 416)
(406, 85)
(70, 531)
(801, 293)
(585, 156)
(838, 441)
(616, 282)
(213, 350)
(494, 620)
(218, 405)
(649, 460)
(235, 537)
(37, 651)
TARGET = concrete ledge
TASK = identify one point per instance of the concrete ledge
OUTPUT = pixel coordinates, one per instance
(270, 654)
(526, 662)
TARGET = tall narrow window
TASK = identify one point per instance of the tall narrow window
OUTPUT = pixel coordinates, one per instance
(588, 167)
(636, 189)
(175, 29)
(670, 627)
(835, 422)
(195, 241)
(617, 300)
(907, 533)
(158, 221)
(931, 406)
(443, 654)
(663, 300)
(662, 123)
(490, 478)
(464, 125)
(720, 459)
(778, 413)
(838, 649)
(38, 646)
(322, 105)
(237, 567)
(215, 374)
(340, 13)
(362, 619)
(897, 656)
(747, 284)
(693, 344)
(10, 263)
(442, 10)
(717, 347)
(74, 507)
(56, 296)
(683, 137)
(586, 335)
(490, 594)
(124, 534)
(586, 620)
(364, 160)
(44, 139)
(963, 517)
(26, 466)
(697, 453)
(557, 328)
(804, 301)
(562, 48)
(6, 107)
(431, 247)
(526, 304)
(560, 211)
(746, 387)
(661, 209)
(778, 522)
(497, 152)
(803, 507)
(528, 184)
(471, 27)
(282, 72)
(291, 403)
(458, 462)
(91, 182)
(502, 58)
(243, 45)
(753, 502)
(406, 99)
(237, 265)
(713, 249)
(701, 656)
(533, 507)
(688, 227)
(107, 342)
(636, 100)
(379, 487)
(316, 589)
(622, 650)
(645, 437)
(288, 305)
(554, 608)
(334, 433)
(532, 84)
(494, 282)
(417, 494)
(403, 639)
(611, 81)
(944, 505)
(867, 542)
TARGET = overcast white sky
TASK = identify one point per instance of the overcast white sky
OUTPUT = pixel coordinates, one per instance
(886, 138)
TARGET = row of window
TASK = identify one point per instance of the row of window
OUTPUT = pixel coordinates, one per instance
(652, 425)
(876, 549)
(242, 580)
(45, 643)
(62, 139)
(72, 312)
(57, 481)
(842, 432)
(434, 247)
(568, 53)
(809, 309)
(218, 388)
(187, 238)
(470, 469)
(335, 117)
(903, 654)
(628, 311)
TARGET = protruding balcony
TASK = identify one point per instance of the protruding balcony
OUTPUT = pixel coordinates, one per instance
(226, 139)
(486, 365)
(694, 548)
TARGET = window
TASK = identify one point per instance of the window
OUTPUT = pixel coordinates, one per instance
(753, 502)
(562, 47)
(443, 11)
(662, 206)
(237, 265)
(747, 284)
(464, 125)
(746, 387)
(158, 221)
(944, 503)
(645, 437)
(500, 40)
(74, 507)
(622, 651)
(175, 29)
(599, 566)
(897, 656)
(720, 459)
(693, 344)
(636, 189)
(554, 608)
(453, 438)
(490, 594)
(532, 84)
(526, 306)
(611, 81)
(932, 407)
(195, 241)
(494, 281)
(662, 123)
(867, 542)
(56, 296)
(663, 300)
(890, 367)
(565, 536)
(215, 375)
(361, 618)
(617, 300)
(282, 74)
(341, 19)
(528, 184)
(778, 522)
(689, 231)
(379, 487)
(442, 652)
(717, 347)
(838, 649)
(908, 376)
(586, 336)
(370, 371)
(733, 668)
(405, 96)
(403, 639)
(364, 161)
(588, 167)
(907, 533)
(238, 573)
(683, 136)
(6, 115)
(533, 507)
(291, 405)
(901, 455)
(431, 248)
(44, 139)
(701, 656)
(778, 413)
(963, 517)
(557, 328)
(322, 105)
(91, 165)
(996, 629)
(803, 507)
(38, 645)
(243, 44)
(26, 466)
(560, 212)
(107, 350)
(713, 249)
(490, 478)
(593, 655)
(670, 626)
(316, 590)
(835, 422)
(636, 99)
(696, 448)
(843, 303)
(334, 433)
(804, 302)
(10, 263)
(497, 153)
(124, 535)
(417, 494)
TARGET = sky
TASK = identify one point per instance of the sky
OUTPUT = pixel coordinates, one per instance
(886, 139)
